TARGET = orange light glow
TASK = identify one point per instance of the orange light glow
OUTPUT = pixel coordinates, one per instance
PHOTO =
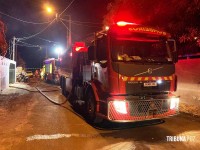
(123, 23)
(49, 9)
(78, 48)
(107, 28)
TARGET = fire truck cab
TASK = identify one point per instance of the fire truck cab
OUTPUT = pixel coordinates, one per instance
(126, 75)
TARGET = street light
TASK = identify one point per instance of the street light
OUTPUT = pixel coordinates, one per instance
(49, 9)
(59, 51)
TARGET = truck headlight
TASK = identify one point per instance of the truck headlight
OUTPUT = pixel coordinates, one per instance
(174, 103)
(159, 81)
(120, 106)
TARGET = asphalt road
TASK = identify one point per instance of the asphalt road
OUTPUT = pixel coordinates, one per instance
(32, 122)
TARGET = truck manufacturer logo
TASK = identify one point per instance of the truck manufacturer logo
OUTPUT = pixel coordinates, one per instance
(149, 71)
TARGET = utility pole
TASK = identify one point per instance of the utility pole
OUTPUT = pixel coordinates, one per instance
(13, 46)
(70, 33)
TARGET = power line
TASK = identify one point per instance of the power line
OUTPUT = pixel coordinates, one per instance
(68, 28)
(24, 21)
(66, 8)
(28, 37)
(47, 40)
(82, 23)
(26, 44)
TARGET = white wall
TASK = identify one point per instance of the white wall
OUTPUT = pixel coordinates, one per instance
(4, 72)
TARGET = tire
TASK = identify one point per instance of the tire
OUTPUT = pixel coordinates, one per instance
(71, 97)
(62, 86)
(61, 82)
(90, 108)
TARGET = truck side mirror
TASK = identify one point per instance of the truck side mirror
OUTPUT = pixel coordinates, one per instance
(91, 53)
(172, 44)
(175, 53)
(175, 57)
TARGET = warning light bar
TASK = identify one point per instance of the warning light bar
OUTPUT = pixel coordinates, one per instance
(79, 47)
(123, 23)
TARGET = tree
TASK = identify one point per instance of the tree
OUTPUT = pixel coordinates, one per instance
(180, 18)
(3, 44)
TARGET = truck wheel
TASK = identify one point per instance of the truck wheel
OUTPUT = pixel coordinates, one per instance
(63, 87)
(90, 113)
(61, 82)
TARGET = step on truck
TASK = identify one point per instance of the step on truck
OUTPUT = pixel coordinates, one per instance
(127, 74)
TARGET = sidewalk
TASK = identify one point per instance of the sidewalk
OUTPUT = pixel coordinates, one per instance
(15, 90)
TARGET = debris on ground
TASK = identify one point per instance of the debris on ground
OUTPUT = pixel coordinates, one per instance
(189, 109)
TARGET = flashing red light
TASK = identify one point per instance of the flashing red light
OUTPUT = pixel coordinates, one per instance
(70, 54)
(123, 23)
(78, 48)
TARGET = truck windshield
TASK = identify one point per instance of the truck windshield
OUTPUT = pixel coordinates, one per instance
(141, 51)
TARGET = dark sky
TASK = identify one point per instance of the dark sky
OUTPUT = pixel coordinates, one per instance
(92, 11)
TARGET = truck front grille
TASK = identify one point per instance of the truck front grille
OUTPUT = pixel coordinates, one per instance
(147, 107)
(138, 110)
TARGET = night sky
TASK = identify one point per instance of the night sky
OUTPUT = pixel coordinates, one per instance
(87, 14)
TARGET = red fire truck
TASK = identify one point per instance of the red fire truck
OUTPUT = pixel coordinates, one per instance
(126, 75)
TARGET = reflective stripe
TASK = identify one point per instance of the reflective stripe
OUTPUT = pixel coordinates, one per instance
(125, 78)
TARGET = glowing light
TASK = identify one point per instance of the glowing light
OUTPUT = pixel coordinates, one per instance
(78, 48)
(159, 81)
(123, 23)
(59, 50)
(174, 103)
(120, 106)
(49, 9)
(107, 28)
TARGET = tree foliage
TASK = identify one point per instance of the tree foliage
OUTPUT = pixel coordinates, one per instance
(3, 44)
(180, 18)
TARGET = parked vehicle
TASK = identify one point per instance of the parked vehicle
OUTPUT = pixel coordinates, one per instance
(22, 78)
